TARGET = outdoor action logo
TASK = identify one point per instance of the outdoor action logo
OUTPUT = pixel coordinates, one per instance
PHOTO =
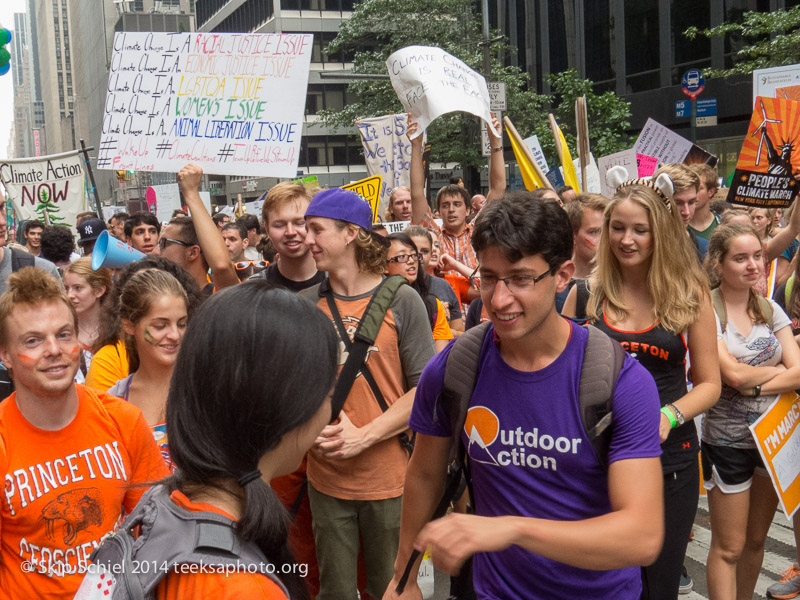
(490, 444)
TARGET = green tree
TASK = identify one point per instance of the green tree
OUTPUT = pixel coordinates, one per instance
(45, 204)
(378, 28)
(761, 40)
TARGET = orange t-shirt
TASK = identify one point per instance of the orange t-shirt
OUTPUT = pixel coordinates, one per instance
(441, 328)
(66, 490)
(233, 586)
(109, 365)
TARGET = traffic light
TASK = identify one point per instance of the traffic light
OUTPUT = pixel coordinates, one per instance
(5, 55)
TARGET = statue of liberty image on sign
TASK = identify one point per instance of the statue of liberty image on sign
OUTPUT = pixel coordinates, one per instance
(765, 175)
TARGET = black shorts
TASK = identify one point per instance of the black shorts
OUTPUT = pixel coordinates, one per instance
(730, 469)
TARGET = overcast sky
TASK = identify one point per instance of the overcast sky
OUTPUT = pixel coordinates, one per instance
(7, 10)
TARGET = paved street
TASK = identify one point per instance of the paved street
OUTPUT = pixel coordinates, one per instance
(779, 555)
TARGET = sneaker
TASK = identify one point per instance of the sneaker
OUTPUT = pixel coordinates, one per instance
(686, 583)
(788, 586)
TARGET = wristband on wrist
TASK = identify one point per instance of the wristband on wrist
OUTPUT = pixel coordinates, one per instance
(678, 414)
(670, 416)
(498, 149)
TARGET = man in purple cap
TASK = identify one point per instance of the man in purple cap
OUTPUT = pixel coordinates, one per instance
(357, 468)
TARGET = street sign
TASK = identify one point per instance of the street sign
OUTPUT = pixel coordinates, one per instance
(486, 147)
(693, 83)
(705, 108)
(497, 95)
(707, 121)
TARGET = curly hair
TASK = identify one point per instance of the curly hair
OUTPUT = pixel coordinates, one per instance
(57, 244)
(370, 253)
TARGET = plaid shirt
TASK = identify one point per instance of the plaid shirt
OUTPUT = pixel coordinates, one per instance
(457, 246)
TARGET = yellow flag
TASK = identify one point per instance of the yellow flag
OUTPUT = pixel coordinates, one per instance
(530, 174)
(570, 177)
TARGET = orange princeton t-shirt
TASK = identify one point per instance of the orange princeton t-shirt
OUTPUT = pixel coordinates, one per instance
(66, 490)
(220, 586)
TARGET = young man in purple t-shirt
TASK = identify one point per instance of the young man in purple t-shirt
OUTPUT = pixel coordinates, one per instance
(550, 522)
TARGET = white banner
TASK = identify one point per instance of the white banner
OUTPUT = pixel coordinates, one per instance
(232, 103)
(430, 83)
(666, 145)
(48, 188)
(387, 152)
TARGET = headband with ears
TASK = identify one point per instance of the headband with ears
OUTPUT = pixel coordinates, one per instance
(617, 177)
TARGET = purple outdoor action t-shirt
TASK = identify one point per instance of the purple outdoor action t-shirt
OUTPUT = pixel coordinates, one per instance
(530, 456)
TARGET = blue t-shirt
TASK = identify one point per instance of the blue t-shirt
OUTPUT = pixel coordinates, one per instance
(530, 456)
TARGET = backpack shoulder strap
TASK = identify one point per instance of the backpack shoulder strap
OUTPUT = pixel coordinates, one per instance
(378, 306)
(172, 535)
(719, 307)
(602, 362)
(766, 309)
(20, 260)
(460, 375)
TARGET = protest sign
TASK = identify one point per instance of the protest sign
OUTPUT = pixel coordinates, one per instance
(789, 93)
(646, 165)
(430, 83)
(669, 147)
(637, 165)
(399, 226)
(764, 174)
(536, 150)
(387, 152)
(110, 211)
(593, 185)
(777, 435)
(231, 103)
(163, 200)
(51, 189)
(767, 81)
(370, 190)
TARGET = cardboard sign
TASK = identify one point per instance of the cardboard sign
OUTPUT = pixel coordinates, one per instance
(765, 170)
(789, 93)
(646, 165)
(53, 185)
(430, 83)
(400, 226)
(593, 185)
(370, 190)
(536, 149)
(669, 147)
(637, 165)
(777, 435)
(163, 200)
(232, 103)
(387, 152)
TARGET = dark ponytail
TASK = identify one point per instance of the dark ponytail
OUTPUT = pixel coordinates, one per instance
(256, 363)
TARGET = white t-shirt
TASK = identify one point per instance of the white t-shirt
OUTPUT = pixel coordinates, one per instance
(727, 422)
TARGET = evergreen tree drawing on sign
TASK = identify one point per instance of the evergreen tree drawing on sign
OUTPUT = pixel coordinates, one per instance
(46, 205)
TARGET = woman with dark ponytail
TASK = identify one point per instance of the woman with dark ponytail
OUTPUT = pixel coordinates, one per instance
(230, 432)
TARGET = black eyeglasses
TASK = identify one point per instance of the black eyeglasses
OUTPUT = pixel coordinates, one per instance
(165, 241)
(401, 258)
(515, 283)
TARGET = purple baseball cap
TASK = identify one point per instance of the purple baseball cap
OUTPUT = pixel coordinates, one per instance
(344, 205)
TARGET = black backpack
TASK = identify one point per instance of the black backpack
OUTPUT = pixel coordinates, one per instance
(602, 362)
(157, 536)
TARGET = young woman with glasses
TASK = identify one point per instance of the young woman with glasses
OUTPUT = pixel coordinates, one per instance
(649, 293)
(404, 259)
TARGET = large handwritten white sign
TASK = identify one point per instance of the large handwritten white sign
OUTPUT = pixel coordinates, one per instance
(51, 189)
(232, 103)
(430, 83)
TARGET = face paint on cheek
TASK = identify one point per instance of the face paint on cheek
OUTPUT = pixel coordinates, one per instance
(26, 360)
(75, 353)
(589, 242)
(148, 337)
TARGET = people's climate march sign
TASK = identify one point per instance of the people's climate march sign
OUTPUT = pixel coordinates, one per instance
(231, 103)
(51, 189)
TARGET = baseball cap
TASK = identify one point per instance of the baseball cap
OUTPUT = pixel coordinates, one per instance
(90, 229)
(344, 205)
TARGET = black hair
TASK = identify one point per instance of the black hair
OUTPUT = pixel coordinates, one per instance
(111, 326)
(141, 218)
(222, 418)
(120, 216)
(33, 224)
(188, 231)
(454, 180)
(250, 222)
(238, 227)
(524, 226)
(219, 217)
(57, 243)
(423, 283)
